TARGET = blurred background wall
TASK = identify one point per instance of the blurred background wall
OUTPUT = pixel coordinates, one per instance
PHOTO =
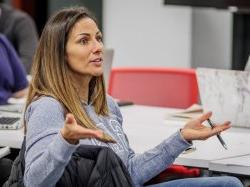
(149, 33)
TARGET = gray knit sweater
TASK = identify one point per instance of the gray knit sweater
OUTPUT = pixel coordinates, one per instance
(47, 153)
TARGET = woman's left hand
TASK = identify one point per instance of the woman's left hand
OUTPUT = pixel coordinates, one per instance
(195, 130)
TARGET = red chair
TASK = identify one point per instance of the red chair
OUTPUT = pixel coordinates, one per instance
(166, 87)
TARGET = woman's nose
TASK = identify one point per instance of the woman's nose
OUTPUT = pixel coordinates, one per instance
(97, 46)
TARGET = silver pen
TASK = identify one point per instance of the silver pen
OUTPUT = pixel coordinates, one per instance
(218, 135)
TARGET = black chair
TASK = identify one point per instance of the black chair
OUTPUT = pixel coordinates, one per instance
(5, 167)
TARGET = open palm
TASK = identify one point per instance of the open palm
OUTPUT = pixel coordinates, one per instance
(72, 132)
(195, 130)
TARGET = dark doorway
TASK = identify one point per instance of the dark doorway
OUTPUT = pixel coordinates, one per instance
(241, 40)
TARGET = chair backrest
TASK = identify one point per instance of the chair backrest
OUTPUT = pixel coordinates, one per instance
(167, 87)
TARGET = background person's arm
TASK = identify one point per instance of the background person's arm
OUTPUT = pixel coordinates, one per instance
(20, 81)
(20, 93)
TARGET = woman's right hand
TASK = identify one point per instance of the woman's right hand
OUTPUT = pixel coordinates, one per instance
(72, 132)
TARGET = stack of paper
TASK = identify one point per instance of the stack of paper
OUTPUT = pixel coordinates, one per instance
(4, 151)
(193, 111)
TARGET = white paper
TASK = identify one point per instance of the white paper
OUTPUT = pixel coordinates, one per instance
(4, 151)
(193, 111)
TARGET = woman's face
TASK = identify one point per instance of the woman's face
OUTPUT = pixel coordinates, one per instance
(84, 48)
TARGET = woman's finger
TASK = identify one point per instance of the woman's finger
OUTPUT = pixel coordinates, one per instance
(208, 132)
(199, 127)
(70, 119)
(219, 128)
(90, 133)
(204, 117)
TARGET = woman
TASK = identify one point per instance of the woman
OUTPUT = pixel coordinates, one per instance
(67, 106)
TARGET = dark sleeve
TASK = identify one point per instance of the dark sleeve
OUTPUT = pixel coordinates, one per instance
(17, 68)
(26, 40)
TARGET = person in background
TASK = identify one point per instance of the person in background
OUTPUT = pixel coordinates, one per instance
(21, 31)
(13, 81)
(67, 106)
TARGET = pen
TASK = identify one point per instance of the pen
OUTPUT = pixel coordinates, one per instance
(218, 136)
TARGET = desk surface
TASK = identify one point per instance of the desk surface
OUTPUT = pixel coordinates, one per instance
(239, 165)
(211, 149)
(148, 126)
(11, 138)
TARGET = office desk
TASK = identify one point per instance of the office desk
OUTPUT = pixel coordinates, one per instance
(150, 122)
(11, 138)
(237, 141)
(148, 126)
(237, 165)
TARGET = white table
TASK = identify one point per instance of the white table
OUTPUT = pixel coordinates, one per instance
(150, 121)
(11, 138)
(238, 165)
(237, 140)
(148, 126)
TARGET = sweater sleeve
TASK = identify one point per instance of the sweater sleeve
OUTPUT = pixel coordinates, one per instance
(143, 167)
(47, 153)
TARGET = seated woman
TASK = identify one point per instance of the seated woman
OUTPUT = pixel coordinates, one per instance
(13, 82)
(67, 106)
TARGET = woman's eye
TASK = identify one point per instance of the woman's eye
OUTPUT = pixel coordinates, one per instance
(99, 38)
(84, 41)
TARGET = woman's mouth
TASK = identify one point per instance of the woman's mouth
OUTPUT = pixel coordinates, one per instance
(97, 61)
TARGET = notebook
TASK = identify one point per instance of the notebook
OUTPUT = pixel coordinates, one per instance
(227, 94)
(107, 65)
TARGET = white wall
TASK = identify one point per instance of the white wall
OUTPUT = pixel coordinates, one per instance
(212, 38)
(147, 33)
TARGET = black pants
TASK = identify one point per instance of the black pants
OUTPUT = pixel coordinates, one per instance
(5, 168)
